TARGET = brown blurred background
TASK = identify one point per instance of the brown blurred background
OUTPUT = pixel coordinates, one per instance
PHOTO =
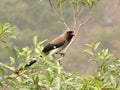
(37, 18)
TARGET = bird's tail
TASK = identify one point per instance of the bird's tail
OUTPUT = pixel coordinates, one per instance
(30, 63)
(27, 65)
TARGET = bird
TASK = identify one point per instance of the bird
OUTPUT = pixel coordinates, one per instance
(56, 45)
(59, 43)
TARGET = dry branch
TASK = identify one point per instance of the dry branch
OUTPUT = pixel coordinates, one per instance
(76, 33)
(59, 15)
(62, 17)
(51, 4)
(76, 27)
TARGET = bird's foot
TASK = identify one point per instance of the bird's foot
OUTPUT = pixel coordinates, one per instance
(61, 54)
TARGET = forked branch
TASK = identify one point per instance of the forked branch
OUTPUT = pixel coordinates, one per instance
(76, 25)
(61, 16)
(76, 33)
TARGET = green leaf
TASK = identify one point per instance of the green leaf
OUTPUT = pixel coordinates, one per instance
(35, 40)
(105, 52)
(41, 42)
(113, 81)
(13, 36)
(96, 45)
(12, 60)
(75, 2)
(1, 84)
(1, 31)
(60, 2)
(2, 70)
(91, 45)
(14, 51)
(3, 41)
(88, 51)
(36, 79)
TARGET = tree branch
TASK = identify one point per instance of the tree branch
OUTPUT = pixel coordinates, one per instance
(19, 74)
(74, 18)
(62, 17)
(51, 4)
(8, 67)
(82, 24)
(76, 33)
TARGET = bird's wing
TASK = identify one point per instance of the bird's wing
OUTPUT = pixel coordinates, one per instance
(50, 47)
(53, 45)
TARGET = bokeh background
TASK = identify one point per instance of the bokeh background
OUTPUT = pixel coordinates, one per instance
(35, 18)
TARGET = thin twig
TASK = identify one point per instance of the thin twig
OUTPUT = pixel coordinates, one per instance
(61, 13)
(6, 66)
(51, 4)
(82, 24)
(76, 33)
(74, 17)
(53, 8)
(62, 17)
(80, 12)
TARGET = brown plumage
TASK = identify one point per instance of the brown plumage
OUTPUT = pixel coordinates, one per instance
(59, 43)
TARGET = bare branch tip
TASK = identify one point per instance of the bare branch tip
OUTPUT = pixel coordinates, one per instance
(50, 2)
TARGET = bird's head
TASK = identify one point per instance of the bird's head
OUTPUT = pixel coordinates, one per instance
(70, 34)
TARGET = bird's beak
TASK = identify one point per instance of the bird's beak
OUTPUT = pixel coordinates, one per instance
(72, 34)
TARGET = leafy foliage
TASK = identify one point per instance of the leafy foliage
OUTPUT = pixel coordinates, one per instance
(90, 3)
(47, 74)
(6, 32)
(105, 63)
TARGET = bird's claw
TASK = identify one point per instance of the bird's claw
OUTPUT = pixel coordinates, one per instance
(62, 54)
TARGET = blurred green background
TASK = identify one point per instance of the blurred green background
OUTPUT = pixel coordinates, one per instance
(37, 18)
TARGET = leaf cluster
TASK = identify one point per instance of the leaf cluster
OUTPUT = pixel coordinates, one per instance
(46, 74)
(90, 3)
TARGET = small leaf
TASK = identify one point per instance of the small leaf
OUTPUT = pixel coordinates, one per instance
(3, 41)
(40, 43)
(1, 31)
(9, 77)
(106, 52)
(91, 45)
(35, 40)
(61, 2)
(75, 2)
(36, 79)
(88, 51)
(113, 81)
(16, 71)
(2, 71)
(12, 60)
(96, 45)
(13, 36)
(1, 84)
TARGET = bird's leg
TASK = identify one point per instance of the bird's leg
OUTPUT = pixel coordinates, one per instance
(61, 54)
(54, 57)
